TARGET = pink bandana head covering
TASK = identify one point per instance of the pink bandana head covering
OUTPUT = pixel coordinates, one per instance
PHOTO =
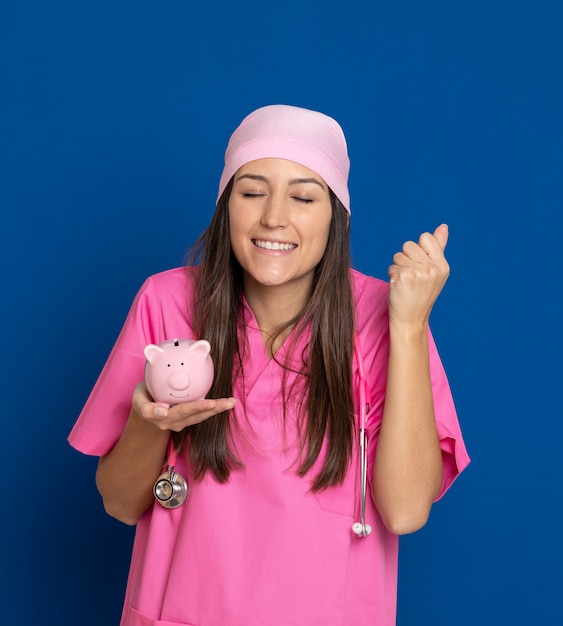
(306, 137)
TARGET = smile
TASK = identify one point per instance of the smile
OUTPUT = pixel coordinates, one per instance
(273, 245)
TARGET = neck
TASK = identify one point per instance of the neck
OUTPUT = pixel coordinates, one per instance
(273, 307)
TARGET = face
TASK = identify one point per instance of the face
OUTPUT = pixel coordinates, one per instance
(280, 214)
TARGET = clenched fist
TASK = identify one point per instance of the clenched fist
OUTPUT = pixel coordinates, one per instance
(417, 276)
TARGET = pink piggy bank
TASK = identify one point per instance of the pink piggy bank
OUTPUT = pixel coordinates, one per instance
(178, 370)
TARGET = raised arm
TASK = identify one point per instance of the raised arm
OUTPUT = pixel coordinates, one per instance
(408, 461)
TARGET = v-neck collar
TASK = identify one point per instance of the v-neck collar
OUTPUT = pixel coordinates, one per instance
(256, 359)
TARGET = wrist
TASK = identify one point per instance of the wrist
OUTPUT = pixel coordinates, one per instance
(408, 331)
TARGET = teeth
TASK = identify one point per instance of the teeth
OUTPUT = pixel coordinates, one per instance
(274, 245)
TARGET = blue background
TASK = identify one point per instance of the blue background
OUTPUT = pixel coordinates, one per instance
(113, 121)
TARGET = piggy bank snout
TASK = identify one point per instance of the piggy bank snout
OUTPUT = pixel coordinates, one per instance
(179, 380)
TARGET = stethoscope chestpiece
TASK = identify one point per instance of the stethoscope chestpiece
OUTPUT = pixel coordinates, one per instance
(170, 489)
(361, 529)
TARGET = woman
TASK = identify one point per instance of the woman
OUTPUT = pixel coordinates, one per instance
(270, 532)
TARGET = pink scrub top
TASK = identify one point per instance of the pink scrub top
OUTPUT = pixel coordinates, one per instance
(261, 549)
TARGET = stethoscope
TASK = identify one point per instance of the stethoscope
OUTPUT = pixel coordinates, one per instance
(171, 488)
(361, 528)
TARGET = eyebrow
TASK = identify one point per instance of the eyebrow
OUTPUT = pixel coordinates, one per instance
(293, 181)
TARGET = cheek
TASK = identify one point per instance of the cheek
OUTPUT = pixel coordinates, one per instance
(241, 215)
(238, 230)
(234, 226)
(235, 242)
(322, 234)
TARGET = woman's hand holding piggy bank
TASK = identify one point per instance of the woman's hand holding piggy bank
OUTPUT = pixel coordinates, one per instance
(178, 375)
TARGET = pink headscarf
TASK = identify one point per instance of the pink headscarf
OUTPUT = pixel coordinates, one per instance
(306, 137)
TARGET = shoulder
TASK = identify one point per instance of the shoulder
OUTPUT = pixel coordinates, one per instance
(177, 277)
(176, 282)
(163, 305)
(363, 281)
(371, 310)
(370, 294)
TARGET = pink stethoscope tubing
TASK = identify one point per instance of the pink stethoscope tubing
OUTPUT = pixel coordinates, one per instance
(361, 528)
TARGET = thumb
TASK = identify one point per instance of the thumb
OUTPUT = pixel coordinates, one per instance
(442, 234)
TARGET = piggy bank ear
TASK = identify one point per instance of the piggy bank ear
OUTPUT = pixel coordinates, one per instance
(202, 348)
(151, 351)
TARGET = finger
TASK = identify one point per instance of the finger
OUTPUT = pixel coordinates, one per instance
(144, 405)
(208, 406)
(393, 273)
(189, 413)
(152, 410)
(400, 259)
(411, 254)
(434, 244)
(441, 234)
(202, 409)
(414, 252)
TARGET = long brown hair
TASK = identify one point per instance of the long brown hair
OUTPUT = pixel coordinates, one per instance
(326, 373)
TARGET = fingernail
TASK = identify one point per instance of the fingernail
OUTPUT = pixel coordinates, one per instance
(160, 411)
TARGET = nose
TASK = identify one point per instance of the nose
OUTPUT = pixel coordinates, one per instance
(179, 381)
(275, 214)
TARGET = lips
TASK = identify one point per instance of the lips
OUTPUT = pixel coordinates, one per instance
(281, 246)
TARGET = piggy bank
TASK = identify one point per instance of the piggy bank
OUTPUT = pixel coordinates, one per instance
(178, 370)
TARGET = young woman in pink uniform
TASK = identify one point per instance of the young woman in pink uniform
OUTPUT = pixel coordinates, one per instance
(329, 429)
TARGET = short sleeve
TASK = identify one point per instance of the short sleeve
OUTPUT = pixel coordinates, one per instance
(158, 312)
(454, 453)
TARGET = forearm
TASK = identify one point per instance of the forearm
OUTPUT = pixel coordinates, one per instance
(125, 476)
(408, 461)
